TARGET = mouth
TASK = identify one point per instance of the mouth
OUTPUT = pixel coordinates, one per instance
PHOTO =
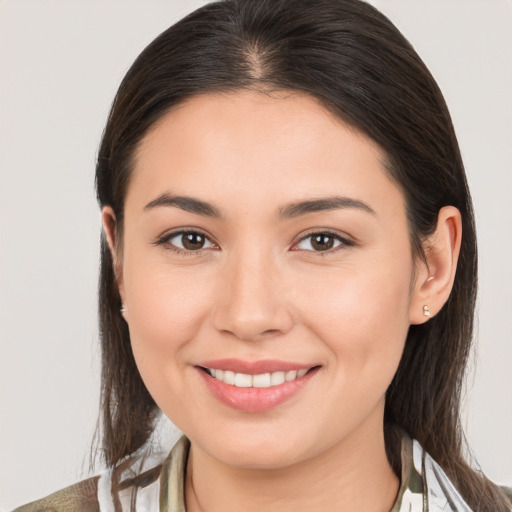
(255, 386)
(260, 380)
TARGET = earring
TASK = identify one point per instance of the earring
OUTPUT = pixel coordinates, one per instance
(426, 311)
(122, 309)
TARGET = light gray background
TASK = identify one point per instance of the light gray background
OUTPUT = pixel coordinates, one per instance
(60, 64)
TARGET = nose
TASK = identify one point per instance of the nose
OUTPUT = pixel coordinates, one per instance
(252, 304)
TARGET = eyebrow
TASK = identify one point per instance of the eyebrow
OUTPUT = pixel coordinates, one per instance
(322, 204)
(189, 204)
(199, 207)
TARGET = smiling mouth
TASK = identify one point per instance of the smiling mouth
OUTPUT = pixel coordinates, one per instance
(262, 380)
(255, 386)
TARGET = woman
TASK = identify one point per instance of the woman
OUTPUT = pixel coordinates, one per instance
(284, 206)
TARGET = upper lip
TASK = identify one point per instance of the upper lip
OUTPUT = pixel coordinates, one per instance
(255, 367)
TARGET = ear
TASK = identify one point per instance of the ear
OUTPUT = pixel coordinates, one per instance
(435, 275)
(108, 219)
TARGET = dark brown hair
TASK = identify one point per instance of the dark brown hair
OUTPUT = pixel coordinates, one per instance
(351, 58)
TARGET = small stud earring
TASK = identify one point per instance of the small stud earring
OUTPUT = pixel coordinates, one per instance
(426, 311)
(122, 309)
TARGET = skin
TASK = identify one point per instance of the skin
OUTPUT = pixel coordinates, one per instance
(260, 290)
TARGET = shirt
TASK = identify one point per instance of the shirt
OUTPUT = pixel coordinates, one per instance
(156, 484)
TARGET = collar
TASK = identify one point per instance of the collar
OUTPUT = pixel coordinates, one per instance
(424, 486)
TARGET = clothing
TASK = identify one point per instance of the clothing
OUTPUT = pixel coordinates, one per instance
(150, 484)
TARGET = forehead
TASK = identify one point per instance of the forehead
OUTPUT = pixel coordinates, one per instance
(247, 147)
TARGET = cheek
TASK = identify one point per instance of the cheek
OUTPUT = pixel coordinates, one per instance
(166, 312)
(162, 298)
(363, 317)
(166, 309)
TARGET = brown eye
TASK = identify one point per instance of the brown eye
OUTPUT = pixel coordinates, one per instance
(189, 241)
(321, 242)
(192, 241)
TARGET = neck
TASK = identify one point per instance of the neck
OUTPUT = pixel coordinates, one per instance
(352, 475)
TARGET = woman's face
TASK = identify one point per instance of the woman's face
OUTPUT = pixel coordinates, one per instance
(262, 237)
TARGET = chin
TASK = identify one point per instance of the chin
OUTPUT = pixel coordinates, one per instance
(261, 458)
(263, 451)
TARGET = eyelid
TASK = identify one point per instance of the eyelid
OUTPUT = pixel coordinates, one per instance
(344, 239)
(164, 239)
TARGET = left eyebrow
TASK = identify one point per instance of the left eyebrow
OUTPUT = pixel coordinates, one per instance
(323, 204)
(187, 203)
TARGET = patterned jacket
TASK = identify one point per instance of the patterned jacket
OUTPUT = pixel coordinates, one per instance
(156, 484)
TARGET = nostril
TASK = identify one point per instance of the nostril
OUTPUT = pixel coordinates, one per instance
(270, 332)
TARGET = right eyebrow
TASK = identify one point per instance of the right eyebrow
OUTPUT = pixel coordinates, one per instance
(323, 204)
(187, 203)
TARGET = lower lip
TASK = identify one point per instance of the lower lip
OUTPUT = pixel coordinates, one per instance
(255, 399)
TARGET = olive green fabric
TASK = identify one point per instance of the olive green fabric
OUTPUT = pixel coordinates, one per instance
(150, 484)
(79, 497)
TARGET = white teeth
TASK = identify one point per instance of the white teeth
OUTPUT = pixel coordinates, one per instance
(229, 377)
(243, 380)
(263, 380)
(291, 375)
(276, 378)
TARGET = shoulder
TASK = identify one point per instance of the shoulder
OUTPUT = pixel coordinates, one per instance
(108, 491)
(507, 491)
(82, 496)
(141, 479)
(424, 485)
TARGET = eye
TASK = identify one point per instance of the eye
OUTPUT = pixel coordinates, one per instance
(321, 242)
(187, 241)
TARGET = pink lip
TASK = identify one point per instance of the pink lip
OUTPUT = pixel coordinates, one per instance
(254, 400)
(254, 367)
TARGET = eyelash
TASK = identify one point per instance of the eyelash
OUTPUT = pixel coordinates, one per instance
(344, 242)
(164, 241)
